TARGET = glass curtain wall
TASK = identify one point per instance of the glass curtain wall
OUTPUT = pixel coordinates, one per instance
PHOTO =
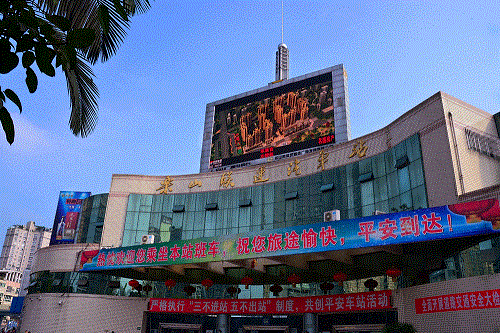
(388, 182)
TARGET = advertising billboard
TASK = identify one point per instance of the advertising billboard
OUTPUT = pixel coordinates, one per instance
(66, 221)
(274, 122)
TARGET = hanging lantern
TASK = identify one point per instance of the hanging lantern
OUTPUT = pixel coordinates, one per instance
(326, 286)
(393, 272)
(207, 283)
(189, 289)
(170, 283)
(147, 288)
(276, 289)
(232, 290)
(371, 284)
(293, 279)
(139, 288)
(134, 283)
(340, 278)
(247, 280)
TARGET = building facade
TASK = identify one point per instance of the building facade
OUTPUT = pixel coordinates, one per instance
(20, 245)
(441, 152)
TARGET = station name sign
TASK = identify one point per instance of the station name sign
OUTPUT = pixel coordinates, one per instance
(460, 220)
(375, 300)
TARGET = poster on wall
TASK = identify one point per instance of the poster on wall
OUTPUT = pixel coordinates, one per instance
(68, 210)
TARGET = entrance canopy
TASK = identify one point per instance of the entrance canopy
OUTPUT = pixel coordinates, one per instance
(416, 242)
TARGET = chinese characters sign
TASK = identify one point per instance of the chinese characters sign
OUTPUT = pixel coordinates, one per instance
(485, 299)
(375, 300)
(378, 230)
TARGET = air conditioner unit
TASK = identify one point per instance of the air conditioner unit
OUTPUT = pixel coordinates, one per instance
(332, 215)
(147, 239)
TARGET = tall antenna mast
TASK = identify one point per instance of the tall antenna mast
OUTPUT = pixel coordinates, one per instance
(282, 55)
(282, 21)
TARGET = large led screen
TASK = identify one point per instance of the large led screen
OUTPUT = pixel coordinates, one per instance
(288, 118)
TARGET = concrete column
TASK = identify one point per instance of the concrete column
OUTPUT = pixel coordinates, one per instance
(223, 323)
(310, 323)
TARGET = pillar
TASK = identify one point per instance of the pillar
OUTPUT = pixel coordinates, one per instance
(222, 323)
(310, 323)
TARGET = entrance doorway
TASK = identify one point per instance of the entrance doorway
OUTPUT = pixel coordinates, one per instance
(265, 329)
(180, 328)
(367, 328)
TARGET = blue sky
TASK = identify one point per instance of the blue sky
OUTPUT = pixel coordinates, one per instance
(182, 55)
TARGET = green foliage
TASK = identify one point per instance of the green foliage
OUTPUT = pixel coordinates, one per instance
(399, 328)
(47, 34)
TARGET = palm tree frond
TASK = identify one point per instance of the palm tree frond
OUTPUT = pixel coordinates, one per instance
(86, 14)
(83, 97)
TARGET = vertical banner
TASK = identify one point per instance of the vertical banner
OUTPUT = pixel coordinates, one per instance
(68, 210)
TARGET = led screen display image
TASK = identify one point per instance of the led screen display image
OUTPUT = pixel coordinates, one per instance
(292, 117)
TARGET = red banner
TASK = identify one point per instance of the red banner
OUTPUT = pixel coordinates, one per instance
(375, 300)
(485, 299)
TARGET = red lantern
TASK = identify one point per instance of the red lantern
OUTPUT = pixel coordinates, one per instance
(207, 283)
(170, 283)
(293, 279)
(232, 290)
(371, 284)
(393, 272)
(247, 280)
(134, 283)
(326, 286)
(276, 289)
(340, 277)
(189, 289)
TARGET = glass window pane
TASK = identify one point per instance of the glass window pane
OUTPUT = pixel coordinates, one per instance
(378, 165)
(143, 223)
(157, 202)
(256, 195)
(189, 221)
(404, 180)
(419, 197)
(178, 220)
(368, 210)
(416, 173)
(392, 184)
(350, 197)
(268, 211)
(406, 203)
(367, 193)
(389, 160)
(382, 206)
(133, 202)
(365, 166)
(380, 189)
(350, 174)
(413, 147)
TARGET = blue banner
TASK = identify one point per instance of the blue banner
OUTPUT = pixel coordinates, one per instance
(460, 220)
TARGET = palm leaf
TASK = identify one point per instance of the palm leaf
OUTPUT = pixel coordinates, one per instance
(86, 14)
(83, 97)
